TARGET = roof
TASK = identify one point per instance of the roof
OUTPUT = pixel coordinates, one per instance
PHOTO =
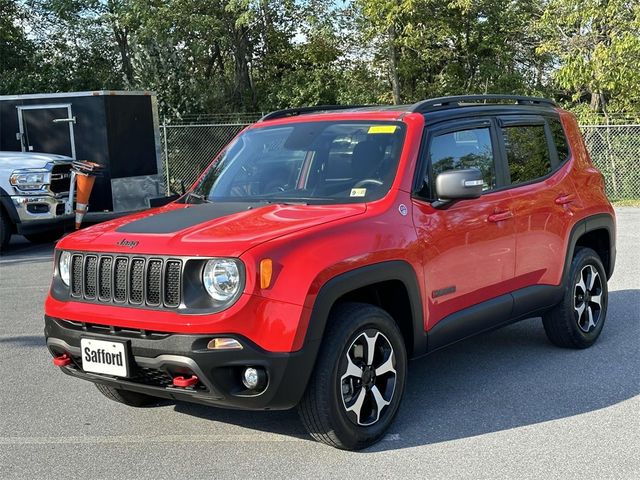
(424, 106)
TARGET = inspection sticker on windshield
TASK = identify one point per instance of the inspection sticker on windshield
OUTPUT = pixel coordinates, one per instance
(382, 128)
(358, 192)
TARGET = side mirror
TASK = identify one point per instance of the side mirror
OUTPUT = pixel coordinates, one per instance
(459, 184)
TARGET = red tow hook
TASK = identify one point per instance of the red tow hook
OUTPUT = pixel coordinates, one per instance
(183, 382)
(62, 361)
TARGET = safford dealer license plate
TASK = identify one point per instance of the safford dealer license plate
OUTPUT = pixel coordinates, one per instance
(107, 357)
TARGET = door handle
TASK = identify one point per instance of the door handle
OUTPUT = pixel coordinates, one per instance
(564, 199)
(498, 216)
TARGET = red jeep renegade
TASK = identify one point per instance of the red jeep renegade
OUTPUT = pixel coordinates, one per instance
(325, 246)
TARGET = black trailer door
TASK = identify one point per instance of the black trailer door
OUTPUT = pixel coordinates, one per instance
(47, 129)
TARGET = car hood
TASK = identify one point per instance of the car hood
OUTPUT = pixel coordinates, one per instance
(14, 160)
(210, 229)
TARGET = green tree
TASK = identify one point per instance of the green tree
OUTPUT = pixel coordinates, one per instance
(431, 48)
(210, 56)
(16, 49)
(596, 47)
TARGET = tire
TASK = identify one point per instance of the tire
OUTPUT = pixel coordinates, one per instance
(44, 237)
(132, 399)
(576, 322)
(331, 409)
(6, 229)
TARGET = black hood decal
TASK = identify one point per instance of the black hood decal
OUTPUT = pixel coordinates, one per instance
(181, 218)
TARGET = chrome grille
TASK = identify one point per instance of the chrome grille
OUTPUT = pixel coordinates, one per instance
(60, 178)
(136, 281)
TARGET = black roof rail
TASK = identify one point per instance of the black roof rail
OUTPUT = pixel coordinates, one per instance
(292, 112)
(441, 103)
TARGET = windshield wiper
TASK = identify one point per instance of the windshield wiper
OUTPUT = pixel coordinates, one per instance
(287, 201)
(198, 197)
(268, 201)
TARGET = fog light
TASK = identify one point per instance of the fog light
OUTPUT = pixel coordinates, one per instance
(250, 378)
(254, 378)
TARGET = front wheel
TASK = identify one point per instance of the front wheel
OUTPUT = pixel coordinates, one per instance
(132, 399)
(5, 230)
(358, 381)
(576, 322)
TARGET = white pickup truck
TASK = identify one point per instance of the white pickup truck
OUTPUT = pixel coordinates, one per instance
(33, 190)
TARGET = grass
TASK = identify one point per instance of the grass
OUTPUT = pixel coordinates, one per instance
(629, 202)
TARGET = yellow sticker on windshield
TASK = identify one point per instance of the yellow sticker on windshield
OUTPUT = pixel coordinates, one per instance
(358, 192)
(382, 128)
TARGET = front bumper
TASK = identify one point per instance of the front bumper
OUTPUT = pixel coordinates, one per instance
(39, 213)
(156, 358)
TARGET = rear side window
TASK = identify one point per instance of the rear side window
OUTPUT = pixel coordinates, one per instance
(559, 139)
(464, 149)
(527, 152)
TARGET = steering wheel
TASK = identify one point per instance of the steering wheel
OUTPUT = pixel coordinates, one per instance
(364, 182)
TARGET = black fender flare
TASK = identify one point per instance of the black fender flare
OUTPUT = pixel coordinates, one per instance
(8, 206)
(364, 276)
(594, 222)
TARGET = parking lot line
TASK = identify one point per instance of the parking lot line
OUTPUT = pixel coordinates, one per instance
(119, 439)
(46, 258)
(23, 287)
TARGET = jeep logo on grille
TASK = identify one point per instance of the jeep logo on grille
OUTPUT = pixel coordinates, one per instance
(127, 243)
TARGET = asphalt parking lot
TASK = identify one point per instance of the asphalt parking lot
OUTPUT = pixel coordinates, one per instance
(503, 405)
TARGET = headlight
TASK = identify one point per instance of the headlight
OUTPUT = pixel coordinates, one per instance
(221, 279)
(64, 267)
(30, 178)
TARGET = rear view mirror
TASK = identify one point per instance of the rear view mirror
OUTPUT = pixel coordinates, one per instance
(459, 184)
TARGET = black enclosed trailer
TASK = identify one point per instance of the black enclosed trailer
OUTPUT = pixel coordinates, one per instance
(119, 130)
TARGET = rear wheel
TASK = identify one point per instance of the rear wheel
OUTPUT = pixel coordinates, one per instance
(133, 399)
(359, 378)
(576, 322)
(6, 229)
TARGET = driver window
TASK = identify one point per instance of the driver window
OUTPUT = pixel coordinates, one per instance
(462, 149)
(338, 167)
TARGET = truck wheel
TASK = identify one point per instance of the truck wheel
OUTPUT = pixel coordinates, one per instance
(133, 399)
(576, 322)
(357, 383)
(6, 229)
(44, 237)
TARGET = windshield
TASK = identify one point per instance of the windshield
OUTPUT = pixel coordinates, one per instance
(319, 162)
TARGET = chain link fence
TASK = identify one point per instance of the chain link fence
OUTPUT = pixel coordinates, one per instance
(615, 150)
(189, 148)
